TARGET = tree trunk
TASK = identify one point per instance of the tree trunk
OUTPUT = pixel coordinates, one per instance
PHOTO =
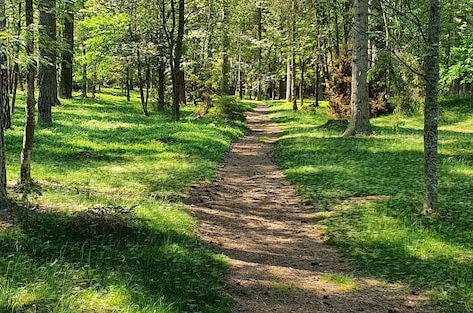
(317, 85)
(47, 75)
(28, 135)
(141, 83)
(431, 109)
(176, 62)
(259, 17)
(4, 99)
(225, 86)
(293, 56)
(16, 69)
(288, 81)
(161, 84)
(68, 52)
(301, 87)
(148, 81)
(127, 78)
(84, 73)
(360, 107)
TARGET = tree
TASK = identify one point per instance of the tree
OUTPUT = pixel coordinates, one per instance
(28, 135)
(360, 109)
(68, 51)
(4, 107)
(431, 108)
(47, 75)
(175, 38)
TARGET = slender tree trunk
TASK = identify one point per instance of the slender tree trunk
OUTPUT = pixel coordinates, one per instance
(317, 84)
(141, 83)
(127, 85)
(288, 80)
(259, 16)
(225, 86)
(148, 81)
(65, 89)
(360, 108)
(28, 135)
(293, 56)
(176, 62)
(161, 84)
(4, 107)
(84, 72)
(16, 69)
(47, 76)
(301, 87)
(431, 109)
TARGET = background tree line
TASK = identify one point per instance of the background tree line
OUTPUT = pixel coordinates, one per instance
(367, 57)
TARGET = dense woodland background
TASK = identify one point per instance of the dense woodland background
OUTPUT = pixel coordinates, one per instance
(140, 98)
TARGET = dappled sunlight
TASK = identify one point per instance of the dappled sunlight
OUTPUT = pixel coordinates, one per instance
(387, 236)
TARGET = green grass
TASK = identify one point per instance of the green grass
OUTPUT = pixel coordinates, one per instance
(103, 152)
(368, 193)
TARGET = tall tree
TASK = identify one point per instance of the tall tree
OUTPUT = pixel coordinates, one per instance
(4, 107)
(47, 75)
(68, 51)
(175, 37)
(28, 135)
(360, 107)
(431, 108)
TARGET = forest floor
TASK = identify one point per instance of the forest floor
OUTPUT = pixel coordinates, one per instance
(280, 259)
(367, 193)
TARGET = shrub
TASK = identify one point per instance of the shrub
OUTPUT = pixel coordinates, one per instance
(229, 108)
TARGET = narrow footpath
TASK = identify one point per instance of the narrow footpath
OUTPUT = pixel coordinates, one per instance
(280, 261)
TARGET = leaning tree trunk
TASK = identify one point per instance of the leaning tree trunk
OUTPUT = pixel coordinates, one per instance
(4, 107)
(28, 135)
(360, 108)
(68, 53)
(431, 109)
(47, 75)
(144, 104)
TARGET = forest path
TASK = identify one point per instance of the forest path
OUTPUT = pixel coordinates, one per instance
(280, 262)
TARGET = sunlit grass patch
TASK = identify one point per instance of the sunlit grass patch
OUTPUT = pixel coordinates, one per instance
(385, 233)
(344, 282)
(103, 153)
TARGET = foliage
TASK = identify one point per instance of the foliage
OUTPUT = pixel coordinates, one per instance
(339, 87)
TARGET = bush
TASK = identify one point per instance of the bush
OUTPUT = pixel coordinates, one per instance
(339, 87)
(108, 221)
(229, 108)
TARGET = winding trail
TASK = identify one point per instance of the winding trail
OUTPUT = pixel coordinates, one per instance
(280, 261)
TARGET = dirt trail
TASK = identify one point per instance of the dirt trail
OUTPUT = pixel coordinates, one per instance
(280, 262)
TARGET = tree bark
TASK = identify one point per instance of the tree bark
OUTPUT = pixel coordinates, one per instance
(431, 109)
(176, 53)
(141, 83)
(288, 80)
(225, 86)
(65, 89)
(4, 107)
(47, 75)
(28, 135)
(360, 108)
(84, 72)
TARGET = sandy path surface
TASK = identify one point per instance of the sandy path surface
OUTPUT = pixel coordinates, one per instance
(280, 261)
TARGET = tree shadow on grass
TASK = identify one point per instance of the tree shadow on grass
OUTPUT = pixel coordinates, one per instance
(48, 264)
(389, 238)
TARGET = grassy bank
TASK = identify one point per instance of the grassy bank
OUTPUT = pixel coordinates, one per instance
(368, 195)
(103, 153)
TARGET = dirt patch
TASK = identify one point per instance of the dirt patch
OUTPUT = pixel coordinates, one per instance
(280, 261)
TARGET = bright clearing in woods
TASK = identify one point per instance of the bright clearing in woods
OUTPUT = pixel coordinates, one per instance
(236, 156)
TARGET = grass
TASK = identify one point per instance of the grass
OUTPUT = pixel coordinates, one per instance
(104, 152)
(368, 193)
